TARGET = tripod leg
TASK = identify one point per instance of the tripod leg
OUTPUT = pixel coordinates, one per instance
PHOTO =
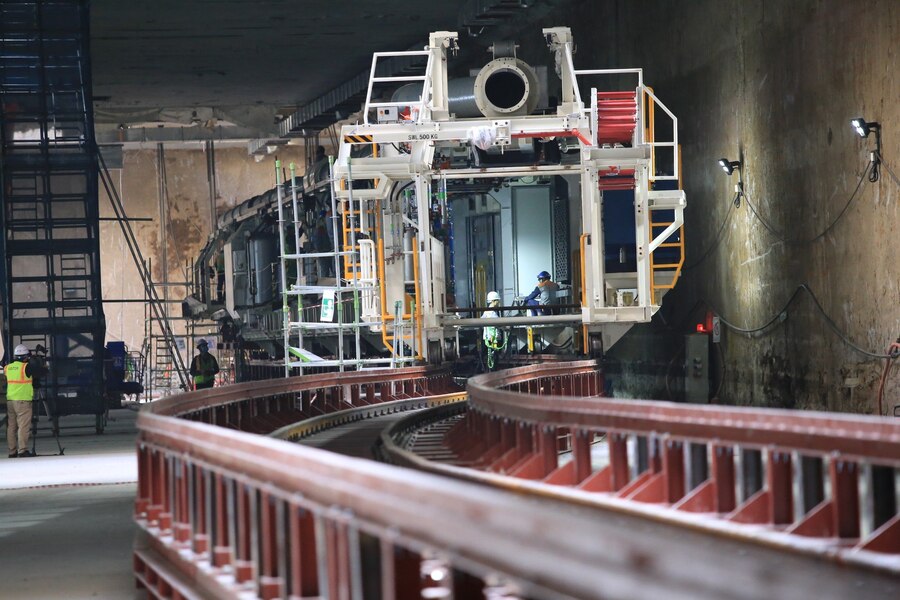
(35, 420)
(34, 427)
(54, 421)
(100, 421)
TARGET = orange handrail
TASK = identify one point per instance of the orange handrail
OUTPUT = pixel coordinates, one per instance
(584, 329)
(382, 289)
(654, 266)
(650, 129)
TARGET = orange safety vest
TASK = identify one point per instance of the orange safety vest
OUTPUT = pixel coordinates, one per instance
(18, 384)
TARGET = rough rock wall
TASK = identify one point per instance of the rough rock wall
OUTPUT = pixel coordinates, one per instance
(239, 177)
(774, 83)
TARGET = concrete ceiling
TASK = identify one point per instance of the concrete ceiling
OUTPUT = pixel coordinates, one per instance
(243, 61)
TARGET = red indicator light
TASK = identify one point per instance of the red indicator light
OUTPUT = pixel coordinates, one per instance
(701, 328)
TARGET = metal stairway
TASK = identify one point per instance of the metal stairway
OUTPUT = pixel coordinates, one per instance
(617, 120)
(48, 184)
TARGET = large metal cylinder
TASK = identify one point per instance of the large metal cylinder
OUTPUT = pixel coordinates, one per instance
(505, 87)
(409, 272)
(263, 253)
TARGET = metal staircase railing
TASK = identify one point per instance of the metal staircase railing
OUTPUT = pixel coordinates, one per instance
(628, 117)
(669, 268)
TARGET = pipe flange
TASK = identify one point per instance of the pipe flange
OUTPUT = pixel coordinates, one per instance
(506, 87)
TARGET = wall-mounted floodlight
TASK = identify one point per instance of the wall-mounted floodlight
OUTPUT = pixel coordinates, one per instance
(729, 165)
(863, 128)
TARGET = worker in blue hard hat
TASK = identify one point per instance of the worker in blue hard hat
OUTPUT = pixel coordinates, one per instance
(544, 293)
(19, 396)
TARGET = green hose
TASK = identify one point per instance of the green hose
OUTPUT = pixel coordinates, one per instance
(492, 348)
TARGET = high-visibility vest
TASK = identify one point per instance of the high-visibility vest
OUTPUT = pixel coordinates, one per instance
(18, 384)
(203, 361)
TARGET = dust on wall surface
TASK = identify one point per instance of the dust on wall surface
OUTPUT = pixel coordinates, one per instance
(775, 84)
(238, 177)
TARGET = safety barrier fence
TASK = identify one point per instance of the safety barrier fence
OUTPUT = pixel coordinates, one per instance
(206, 504)
(821, 483)
(224, 513)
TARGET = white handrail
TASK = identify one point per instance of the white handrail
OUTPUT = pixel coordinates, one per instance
(571, 66)
(392, 103)
(401, 78)
(425, 79)
(370, 300)
(369, 88)
(402, 53)
(673, 144)
(427, 87)
(639, 72)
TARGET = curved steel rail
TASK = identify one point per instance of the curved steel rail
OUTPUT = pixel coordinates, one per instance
(308, 427)
(815, 483)
(227, 514)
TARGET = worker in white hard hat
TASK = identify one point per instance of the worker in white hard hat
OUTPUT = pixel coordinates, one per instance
(19, 396)
(493, 300)
(494, 338)
(204, 367)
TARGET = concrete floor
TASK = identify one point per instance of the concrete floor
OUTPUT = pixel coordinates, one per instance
(66, 527)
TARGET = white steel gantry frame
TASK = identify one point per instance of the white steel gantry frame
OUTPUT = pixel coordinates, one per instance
(430, 125)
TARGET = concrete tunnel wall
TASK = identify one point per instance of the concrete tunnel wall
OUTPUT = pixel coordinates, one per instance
(775, 83)
(239, 177)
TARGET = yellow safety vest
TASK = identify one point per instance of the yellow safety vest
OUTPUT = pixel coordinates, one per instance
(18, 384)
(203, 361)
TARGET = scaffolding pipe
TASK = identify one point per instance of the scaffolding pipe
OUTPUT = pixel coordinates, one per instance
(296, 219)
(213, 184)
(285, 316)
(146, 278)
(297, 262)
(337, 262)
(355, 266)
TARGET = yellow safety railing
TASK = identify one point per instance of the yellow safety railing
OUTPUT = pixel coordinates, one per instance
(584, 329)
(415, 312)
(352, 268)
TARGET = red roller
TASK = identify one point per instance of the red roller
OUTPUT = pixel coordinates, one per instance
(614, 178)
(616, 117)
